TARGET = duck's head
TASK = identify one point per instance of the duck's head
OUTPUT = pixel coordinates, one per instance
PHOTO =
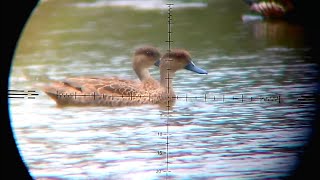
(178, 59)
(145, 57)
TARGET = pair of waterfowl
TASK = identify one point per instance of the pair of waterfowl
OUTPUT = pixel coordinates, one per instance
(113, 91)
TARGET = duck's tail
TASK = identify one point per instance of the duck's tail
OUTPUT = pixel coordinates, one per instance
(51, 92)
(59, 92)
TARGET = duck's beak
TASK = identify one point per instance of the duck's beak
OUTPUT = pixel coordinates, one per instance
(157, 63)
(192, 67)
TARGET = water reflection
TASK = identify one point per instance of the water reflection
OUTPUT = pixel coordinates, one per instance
(278, 32)
(208, 139)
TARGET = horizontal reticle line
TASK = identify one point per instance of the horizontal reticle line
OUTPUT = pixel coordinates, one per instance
(186, 97)
(21, 94)
(207, 97)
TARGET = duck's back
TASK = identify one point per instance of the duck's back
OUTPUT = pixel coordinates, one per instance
(95, 91)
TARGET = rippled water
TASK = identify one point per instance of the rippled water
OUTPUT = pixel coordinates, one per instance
(208, 139)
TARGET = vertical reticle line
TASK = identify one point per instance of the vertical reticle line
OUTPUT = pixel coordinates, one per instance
(169, 41)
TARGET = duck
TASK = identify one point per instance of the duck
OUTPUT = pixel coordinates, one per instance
(271, 8)
(121, 93)
(169, 64)
(75, 90)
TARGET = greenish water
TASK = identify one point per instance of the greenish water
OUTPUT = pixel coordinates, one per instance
(212, 139)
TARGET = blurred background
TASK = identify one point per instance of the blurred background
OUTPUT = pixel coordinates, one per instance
(246, 51)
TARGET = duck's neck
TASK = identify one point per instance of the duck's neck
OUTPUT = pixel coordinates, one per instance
(166, 81)
(142, 73)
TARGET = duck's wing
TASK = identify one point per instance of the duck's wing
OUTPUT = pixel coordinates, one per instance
(119, 90)
(100, 86)
(113, 85)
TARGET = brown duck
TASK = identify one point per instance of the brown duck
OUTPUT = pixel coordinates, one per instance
(119, 92)
(96, 90)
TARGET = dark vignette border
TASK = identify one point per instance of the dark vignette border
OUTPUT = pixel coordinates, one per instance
(14, 15)
(306, 14)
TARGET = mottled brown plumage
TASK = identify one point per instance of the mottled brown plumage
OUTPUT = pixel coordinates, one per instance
(120, 92)
(108, 91)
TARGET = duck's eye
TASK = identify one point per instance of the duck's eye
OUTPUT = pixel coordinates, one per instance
(149, 53)
(179, 56)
